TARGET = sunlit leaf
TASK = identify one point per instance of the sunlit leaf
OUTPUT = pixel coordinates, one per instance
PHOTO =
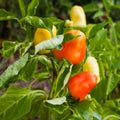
(9, 48)
(13, 70)
(33, 21)
(57, 104)
(57, 101)
(25, 47)
(49, 44)
(22, 7)
(32, 7)
(5, 15)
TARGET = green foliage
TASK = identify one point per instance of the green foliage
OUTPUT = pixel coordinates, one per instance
(17, 101)
(95, 29)
(103, 42)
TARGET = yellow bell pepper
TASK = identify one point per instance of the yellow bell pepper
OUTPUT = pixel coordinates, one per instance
(91, 65)
(42, 34)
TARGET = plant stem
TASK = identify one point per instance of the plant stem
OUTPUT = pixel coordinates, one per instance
(51, 94)
(53, 82)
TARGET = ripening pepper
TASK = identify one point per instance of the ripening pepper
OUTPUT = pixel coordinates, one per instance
(91, 65)
(77, 16)
(81, 84)
(42, 34)
(73, 50)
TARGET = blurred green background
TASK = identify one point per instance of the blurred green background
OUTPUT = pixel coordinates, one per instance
(96, 11)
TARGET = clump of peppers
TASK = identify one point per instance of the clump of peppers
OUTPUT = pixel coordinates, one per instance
(73, 50)
(81, 84)
(77, 16)
(42, 34)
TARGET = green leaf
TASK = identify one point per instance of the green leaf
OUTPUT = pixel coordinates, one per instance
(82, 110)
(111, 110)
(37, 22)
(109, 45)
(28, 70)
(13, 70)
(99, 92)
(50, 21)
(57, 106)
(90, 7)
(117, 26)
(97, 109)
(33, 21)
(106, 4)
(68, 37)
(41, 75)
(49, 44)
(54, 20)
(64, 116)
(37, 109)
(62, 78)
(116, 64)
(60, 28)
(5, 15)
(30, 31)
(48, 24)
(25, 47)
(60, 109)
(96, 28)
(9, 48)
(101, 68)
(22, 7)
(32, 7)
(17, 101)
(113, 34)
(98, 14)
(85, 111)
(44, 60)
(67, 76)
(112, 82)
(57, 101)
(112, 116)
(97, 116)
(113, 104)
(98, 40)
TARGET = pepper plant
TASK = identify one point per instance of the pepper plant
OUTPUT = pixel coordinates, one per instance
(101, 102)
